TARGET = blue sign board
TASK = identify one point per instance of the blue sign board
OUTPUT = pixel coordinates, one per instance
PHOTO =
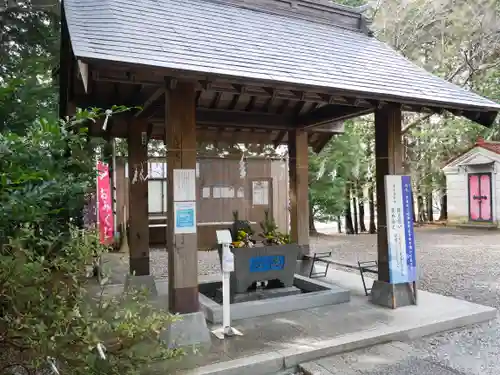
(185, 218)
(267, 263)
(400, 233)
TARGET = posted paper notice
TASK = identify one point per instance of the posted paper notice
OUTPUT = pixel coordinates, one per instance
(184, 185)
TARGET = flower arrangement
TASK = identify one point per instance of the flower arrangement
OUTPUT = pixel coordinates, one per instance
(270, 232)
(242, 240)
(242, 232)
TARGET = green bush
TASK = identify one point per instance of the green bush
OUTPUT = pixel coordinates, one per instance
(48, 306)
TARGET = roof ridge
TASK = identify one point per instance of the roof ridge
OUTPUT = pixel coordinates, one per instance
(318, 11)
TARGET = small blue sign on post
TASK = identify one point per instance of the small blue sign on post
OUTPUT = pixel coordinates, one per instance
(185, 217)
(400, 233)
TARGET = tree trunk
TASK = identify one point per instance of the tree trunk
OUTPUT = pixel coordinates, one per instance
(443, 213)
(421, 209)
(348, 216)
(413, 207)
(339, 224)
(371, 207)
(312, 227)
(430, 213)
(361, 209)
(355, 214)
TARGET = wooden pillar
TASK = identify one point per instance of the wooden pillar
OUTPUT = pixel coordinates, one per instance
(299, 189)
(180, 130)
(389, 161)
(138, 198)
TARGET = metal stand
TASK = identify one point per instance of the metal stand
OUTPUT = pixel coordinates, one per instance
(224, 239)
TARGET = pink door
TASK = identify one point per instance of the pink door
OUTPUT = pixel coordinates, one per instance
(480, 197)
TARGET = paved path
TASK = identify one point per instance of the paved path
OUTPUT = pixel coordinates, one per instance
(461, 263)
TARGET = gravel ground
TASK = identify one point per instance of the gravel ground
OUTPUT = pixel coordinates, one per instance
(463, 263)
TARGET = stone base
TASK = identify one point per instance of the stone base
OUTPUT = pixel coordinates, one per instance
(392, 295)
(304, 251)
(189, 329)
(140, 283)
(315, 293)
(260, 294)
(303, 267)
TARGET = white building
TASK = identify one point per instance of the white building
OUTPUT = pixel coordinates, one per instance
(473, 184)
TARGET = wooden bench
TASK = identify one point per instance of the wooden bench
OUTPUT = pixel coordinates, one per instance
(370, 266)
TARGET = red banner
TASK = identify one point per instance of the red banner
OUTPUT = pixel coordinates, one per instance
(104, 204)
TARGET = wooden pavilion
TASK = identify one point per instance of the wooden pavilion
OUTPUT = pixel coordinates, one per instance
(264, 71)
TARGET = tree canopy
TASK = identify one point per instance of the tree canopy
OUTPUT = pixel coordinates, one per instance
(456, 40)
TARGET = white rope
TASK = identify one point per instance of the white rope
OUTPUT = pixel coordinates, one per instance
(108, 113)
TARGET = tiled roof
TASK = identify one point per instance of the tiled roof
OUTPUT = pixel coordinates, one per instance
(214, 37)
(488, 145)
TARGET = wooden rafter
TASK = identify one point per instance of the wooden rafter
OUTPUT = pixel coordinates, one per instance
(251, 104)
(321, 142)
(279, 139)
(197, 100)
(234, 101)
(330, 113)
(282, 108)
(298, 107)
(216, 100)
(157, 94)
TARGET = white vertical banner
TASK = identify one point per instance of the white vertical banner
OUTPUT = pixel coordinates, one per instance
(400, 233)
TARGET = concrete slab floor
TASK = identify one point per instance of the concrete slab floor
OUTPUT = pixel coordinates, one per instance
(392, 358)
(273, 343)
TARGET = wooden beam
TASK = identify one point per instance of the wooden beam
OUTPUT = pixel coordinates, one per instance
(298, 107)
(279, 139)
(180, 126)
(330, 113)
(388, 161)
(267, 106)
(240, 119)
(313, 107)
(282, 108)
(322, 142)
(270, 100)
(299, 189)
(138, 198)
(301, 95)
(260, 91)
(130, 73)
(336, 127)
(216, 100)
(65, 70)
(157, 94)
(240, 89)
(234, 102)
(250, 104)
(206, 85)
(197, 100)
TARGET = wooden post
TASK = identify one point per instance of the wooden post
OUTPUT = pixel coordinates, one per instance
(389, 161)
(180, 130)
(299, 189)
(138, 198)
